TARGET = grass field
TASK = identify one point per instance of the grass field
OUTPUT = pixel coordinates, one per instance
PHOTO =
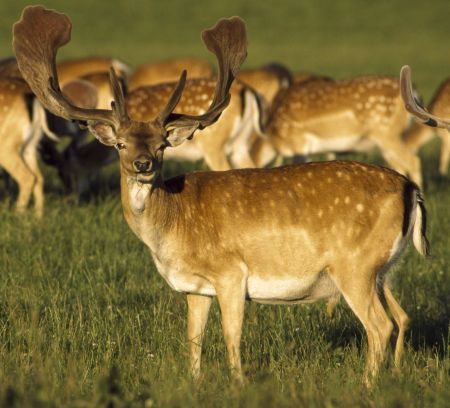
(85, 320)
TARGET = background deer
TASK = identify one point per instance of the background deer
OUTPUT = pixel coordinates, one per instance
(20, 134)
(357, 114)
(213, 143)
(268, 235)
(419, 134)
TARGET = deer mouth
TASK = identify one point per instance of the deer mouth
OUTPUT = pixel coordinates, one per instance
(145, 177)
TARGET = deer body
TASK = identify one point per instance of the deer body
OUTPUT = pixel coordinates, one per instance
(287, 235)
(357, 114)
(274, 229)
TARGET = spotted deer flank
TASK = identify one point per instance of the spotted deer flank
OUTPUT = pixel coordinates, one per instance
(357, 114)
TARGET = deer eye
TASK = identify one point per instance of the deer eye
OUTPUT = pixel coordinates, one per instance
(120, 146)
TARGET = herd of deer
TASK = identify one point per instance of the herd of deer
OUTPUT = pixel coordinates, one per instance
(290, 234)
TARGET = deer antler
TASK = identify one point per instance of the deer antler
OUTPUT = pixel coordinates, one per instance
(228, 41)
(411, 104)
(36, 39)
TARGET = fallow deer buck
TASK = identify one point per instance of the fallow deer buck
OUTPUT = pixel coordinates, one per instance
(418, 134)
(357, 114)
(287, 235)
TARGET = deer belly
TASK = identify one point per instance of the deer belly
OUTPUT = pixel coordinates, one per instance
(290, 289)
(318, 144)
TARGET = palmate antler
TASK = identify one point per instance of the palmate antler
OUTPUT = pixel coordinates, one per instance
(36, 39)
(413, 107)
(41, 32)
(227, 40)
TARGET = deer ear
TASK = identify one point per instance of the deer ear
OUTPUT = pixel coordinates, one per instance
(103, 132)
(179, 134)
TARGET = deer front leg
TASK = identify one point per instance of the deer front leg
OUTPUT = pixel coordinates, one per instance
(231, 297)
(198, 309)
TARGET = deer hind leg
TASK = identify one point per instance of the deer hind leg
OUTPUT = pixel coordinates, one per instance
(444, 134)
(198, 310)
(401, 319)
(231, 290)
(361, 295)
(23, 176)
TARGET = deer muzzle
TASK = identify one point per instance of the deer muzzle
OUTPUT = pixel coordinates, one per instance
(143, 164)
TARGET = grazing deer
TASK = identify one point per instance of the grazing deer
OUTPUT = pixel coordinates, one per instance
(271, 83)
(168, 71)
(418, 134)
(293, 234)
(356, 114)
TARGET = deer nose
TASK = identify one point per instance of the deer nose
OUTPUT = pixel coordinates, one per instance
(142, 163)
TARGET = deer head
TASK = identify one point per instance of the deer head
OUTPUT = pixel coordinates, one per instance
(41, 32)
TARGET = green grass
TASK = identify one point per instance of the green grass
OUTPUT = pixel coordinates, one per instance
(85, 320)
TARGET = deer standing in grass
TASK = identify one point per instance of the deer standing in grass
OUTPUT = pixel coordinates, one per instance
(418, 134)
(357, 114)
(293, 234)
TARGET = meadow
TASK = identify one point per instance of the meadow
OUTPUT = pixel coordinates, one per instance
(85, 320)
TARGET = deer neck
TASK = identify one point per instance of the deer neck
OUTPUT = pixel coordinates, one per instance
(417, 135)
(149, 209)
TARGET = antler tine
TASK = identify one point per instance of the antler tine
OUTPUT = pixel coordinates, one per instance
(118, 106)
(174, 99)
(37, 36)
(411, 104)
(228, 41)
